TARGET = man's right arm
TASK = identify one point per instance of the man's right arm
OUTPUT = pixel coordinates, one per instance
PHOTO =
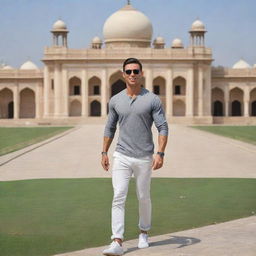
(105, 161)
(109, 134)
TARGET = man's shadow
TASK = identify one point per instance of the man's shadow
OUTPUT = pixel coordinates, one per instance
(181, 241)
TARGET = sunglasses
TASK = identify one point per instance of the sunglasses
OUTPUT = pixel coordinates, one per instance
(129, 71)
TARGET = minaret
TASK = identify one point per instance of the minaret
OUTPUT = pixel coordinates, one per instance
(59, 29)
(197, 32)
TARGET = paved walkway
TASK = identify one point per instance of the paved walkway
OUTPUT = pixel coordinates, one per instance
(233, 238)
(190, 153)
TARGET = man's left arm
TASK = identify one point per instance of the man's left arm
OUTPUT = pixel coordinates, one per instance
(162, 127)
(159, 157)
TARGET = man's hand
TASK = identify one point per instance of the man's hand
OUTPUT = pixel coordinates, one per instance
(105, 162)
(157, 162)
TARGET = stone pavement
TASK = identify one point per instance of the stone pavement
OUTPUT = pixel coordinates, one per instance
(233, 238)
(189, 153)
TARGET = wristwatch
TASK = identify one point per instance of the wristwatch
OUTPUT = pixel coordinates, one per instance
(104, 153)
(161, 154)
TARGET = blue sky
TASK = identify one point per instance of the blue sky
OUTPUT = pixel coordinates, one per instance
(25, 25)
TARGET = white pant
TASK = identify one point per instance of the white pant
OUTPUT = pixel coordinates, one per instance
(123, 168)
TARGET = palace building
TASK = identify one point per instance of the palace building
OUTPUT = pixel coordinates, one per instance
(75, 85)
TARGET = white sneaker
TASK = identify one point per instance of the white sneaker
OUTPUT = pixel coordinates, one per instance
(143, 241)
(115, 249)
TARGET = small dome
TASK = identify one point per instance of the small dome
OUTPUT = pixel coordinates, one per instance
(128, 25)
(159, 40)
(177, 43)
(7, 67)
(241, 64)
(198, 25)
(96, 40)
(59, 25)
(28, 65)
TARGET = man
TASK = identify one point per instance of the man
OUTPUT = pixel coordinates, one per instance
(135, 109)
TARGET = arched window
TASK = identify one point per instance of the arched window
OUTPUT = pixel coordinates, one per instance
(74, 86)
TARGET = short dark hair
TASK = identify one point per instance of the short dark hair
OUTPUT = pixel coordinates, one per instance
(130, 61)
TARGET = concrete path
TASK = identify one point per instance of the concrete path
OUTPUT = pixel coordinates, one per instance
(190, 153)
(233, 238)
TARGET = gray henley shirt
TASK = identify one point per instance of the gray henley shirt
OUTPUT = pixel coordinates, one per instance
(135, 117)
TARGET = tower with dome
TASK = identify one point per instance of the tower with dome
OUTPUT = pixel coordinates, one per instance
(75, 85)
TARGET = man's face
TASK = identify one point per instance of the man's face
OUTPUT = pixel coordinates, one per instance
(134, 74)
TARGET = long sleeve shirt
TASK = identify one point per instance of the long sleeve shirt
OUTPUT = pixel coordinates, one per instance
(135, 117)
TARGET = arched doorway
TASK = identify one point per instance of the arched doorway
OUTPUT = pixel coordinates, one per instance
(217, 108)
(217, 102)
(27, 103)
(254, 108)
(75, 108)
(95, 108)
(10, 110)
(236, 96)
(236, 108)
(6, 103)
(179, 108)
(117, 87)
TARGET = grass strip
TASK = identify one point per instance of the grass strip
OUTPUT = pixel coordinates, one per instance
(13, 139)
(243, 133)
(51, 216)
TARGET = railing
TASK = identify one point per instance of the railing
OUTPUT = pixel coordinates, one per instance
(121, 53)
(26, 74)
(229, 72)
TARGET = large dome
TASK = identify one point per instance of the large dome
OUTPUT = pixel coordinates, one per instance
(128, 27)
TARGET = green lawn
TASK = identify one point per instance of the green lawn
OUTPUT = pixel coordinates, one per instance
(46, 217)
(243, 133)
(16, 138)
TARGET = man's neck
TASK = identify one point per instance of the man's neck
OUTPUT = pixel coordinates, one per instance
(133, 91)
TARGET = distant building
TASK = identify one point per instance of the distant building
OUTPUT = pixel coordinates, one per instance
(76, 84)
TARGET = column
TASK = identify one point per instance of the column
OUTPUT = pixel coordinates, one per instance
(207, 92)
(65, 86)
(37, 99)
(226, 99)
(57, 89)
(246, 101)
(148, 80)
(46, 91)
(200, 91)
(169, 93)
(85, 93)
(104, 93)
(16, 102)
(190, 92)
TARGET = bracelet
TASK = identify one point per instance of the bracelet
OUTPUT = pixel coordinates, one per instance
(104, 153)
